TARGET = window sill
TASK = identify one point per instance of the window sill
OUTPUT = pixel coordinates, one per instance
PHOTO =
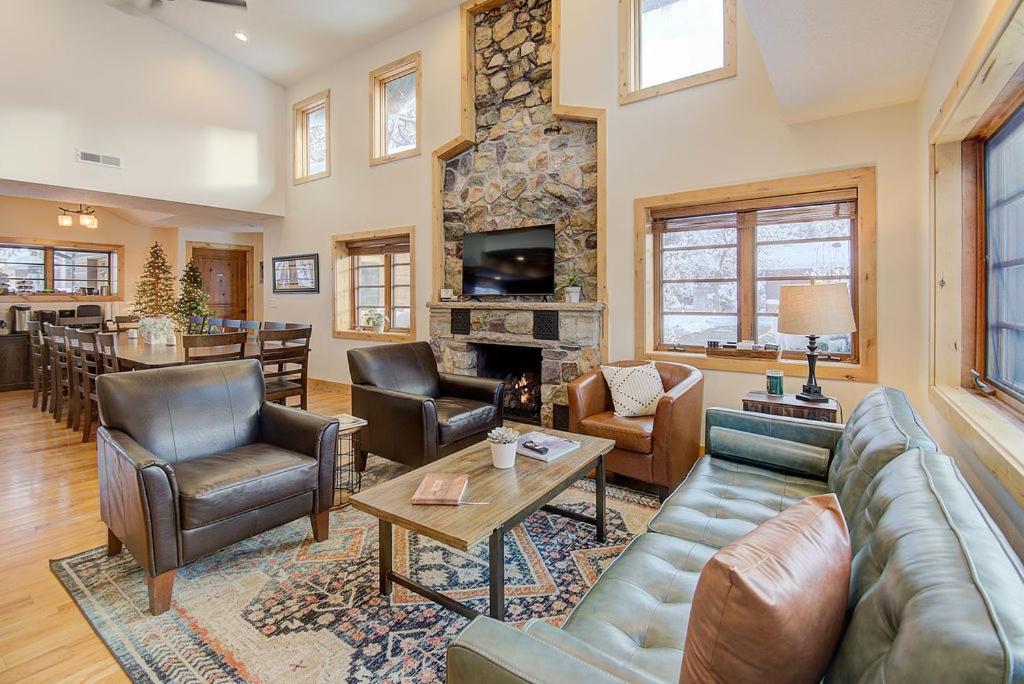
(377, 161)
(630, 96)
(58, 297)
(993, 434)
(306, 179)
(371, 336)
(826, 370)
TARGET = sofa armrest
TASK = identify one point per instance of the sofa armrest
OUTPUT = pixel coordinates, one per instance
(812, 432)
(487, 390)
(677, 430)
(307, 433)
(588, 395)
(138, 500)
(492, 652)
(401, 426)
(781, 455)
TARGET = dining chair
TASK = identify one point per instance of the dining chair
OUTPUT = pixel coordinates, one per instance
(251, 327)
(214, 347)
(287, 351)
(40, 368)
(60, 381)
(231, 325)
(214, 325)
(273, 325)
(105, 343)
(123, 323)
(86, 366)
(195, 325)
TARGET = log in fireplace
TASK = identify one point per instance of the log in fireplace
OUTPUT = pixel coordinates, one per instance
(520, 369)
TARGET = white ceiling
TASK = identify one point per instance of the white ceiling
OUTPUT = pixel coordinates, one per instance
(288, 39)
(832, 57)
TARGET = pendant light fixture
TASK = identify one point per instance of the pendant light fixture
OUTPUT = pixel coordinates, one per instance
(86, 217)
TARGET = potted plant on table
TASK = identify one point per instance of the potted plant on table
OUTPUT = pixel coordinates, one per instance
(375, 319)
(572, 285)
(503, 446)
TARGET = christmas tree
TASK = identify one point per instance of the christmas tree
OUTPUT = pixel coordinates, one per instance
(191, 298)
(154, 292)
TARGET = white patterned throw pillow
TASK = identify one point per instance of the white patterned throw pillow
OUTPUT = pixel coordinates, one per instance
(635, 390)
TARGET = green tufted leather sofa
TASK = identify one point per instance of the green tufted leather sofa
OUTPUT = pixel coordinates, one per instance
(936, 594)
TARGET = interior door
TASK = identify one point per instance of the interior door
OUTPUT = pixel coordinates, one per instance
(225, 280)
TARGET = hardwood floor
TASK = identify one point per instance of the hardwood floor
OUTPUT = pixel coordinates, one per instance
(49, 508)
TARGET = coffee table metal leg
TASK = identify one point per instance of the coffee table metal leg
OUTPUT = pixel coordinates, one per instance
(600, 494)
(385, 558)
(496, 553)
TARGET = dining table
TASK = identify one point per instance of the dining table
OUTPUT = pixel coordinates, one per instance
(134, 353)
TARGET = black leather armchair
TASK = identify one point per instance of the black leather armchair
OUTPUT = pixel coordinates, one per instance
(415, 414)
(192, 459)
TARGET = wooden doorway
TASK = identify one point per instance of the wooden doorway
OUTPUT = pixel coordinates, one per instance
(227, 277)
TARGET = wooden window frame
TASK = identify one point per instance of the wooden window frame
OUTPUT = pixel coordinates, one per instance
(115, 274)
(300, 151)
(974, 276)
(388, 286)
(861, 366)
(346, 326)
(379, 79)
(630, 60)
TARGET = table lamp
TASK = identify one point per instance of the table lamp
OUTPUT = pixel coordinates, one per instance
(814, 310)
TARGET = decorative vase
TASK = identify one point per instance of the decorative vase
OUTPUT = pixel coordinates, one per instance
(503, 455)
(572, 294)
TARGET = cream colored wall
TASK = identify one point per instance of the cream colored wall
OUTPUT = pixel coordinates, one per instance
(191, 125)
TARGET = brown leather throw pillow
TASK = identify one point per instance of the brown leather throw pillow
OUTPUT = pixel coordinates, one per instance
(770, 606)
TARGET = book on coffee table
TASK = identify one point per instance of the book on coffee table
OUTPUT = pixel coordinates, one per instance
(444, 489)
(545, 447)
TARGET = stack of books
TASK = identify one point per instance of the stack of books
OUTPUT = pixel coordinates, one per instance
(545, 447)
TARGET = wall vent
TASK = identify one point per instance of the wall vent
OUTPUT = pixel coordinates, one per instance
(108, 160)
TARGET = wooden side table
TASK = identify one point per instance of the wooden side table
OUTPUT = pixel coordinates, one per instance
(789, 405)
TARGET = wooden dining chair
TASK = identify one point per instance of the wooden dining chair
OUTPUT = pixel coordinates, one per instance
(60, 376)
(105, 343)
(273, 325)
(251, 327)
(195, 325)
(123, 323)
(284, 355)
(40, 365)
(214, 347)
(231, 325)
(214, 325)
(86, 366)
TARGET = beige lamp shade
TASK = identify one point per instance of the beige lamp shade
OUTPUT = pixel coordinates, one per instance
(819, 309)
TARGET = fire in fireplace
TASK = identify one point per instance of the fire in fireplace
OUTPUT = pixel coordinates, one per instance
(519, 368)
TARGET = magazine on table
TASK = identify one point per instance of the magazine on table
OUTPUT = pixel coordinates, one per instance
(545, 447)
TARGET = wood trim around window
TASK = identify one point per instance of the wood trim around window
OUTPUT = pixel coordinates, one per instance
(379, 78)
(344, 292)
(629, 56)
(300, 111)
(117, 250)
(865, 366)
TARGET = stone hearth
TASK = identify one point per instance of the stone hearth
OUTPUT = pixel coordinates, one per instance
(568, 349)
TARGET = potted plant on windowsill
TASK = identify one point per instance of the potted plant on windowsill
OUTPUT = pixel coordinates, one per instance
(503, 446)
(375, 319)
(572, 286)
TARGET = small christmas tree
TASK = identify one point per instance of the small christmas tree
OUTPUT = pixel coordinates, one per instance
(192, 299)
(154, 292)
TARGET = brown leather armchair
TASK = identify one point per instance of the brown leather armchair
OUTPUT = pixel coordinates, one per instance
(415, 414)
(658, 449)
(192, 459)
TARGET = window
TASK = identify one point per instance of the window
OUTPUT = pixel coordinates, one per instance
(714, 262)
(373, 273)
(313, 137)
(394, 110)
(674, 44)
(42, 269)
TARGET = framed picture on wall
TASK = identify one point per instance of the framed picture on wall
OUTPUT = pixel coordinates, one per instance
(297, 274)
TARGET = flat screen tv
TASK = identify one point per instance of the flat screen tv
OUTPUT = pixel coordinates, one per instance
(520, 261)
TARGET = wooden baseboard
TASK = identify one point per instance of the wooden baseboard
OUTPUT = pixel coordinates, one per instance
(329, 386)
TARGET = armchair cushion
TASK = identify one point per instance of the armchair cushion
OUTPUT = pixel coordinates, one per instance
(216, 487)
(635, 389)
(631, 434)
(458, 418)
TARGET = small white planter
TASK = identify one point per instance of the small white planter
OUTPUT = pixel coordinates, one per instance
(503, 455)
(572, 294)
(378, 328)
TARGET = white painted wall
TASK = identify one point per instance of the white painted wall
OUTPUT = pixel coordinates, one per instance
(192, 126)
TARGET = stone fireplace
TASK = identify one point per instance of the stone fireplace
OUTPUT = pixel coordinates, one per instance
(519, 368)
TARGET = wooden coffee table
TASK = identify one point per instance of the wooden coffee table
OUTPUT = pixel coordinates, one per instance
(511, 497)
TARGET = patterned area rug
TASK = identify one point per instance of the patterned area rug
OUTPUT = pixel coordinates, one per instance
(280, 607)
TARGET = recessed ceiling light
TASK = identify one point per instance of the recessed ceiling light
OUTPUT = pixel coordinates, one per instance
(241, 36)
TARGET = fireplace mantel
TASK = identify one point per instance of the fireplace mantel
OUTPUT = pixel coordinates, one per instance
(520, 306)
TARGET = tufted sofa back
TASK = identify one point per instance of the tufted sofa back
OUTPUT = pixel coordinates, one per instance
(935, 592)
(881, 427)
